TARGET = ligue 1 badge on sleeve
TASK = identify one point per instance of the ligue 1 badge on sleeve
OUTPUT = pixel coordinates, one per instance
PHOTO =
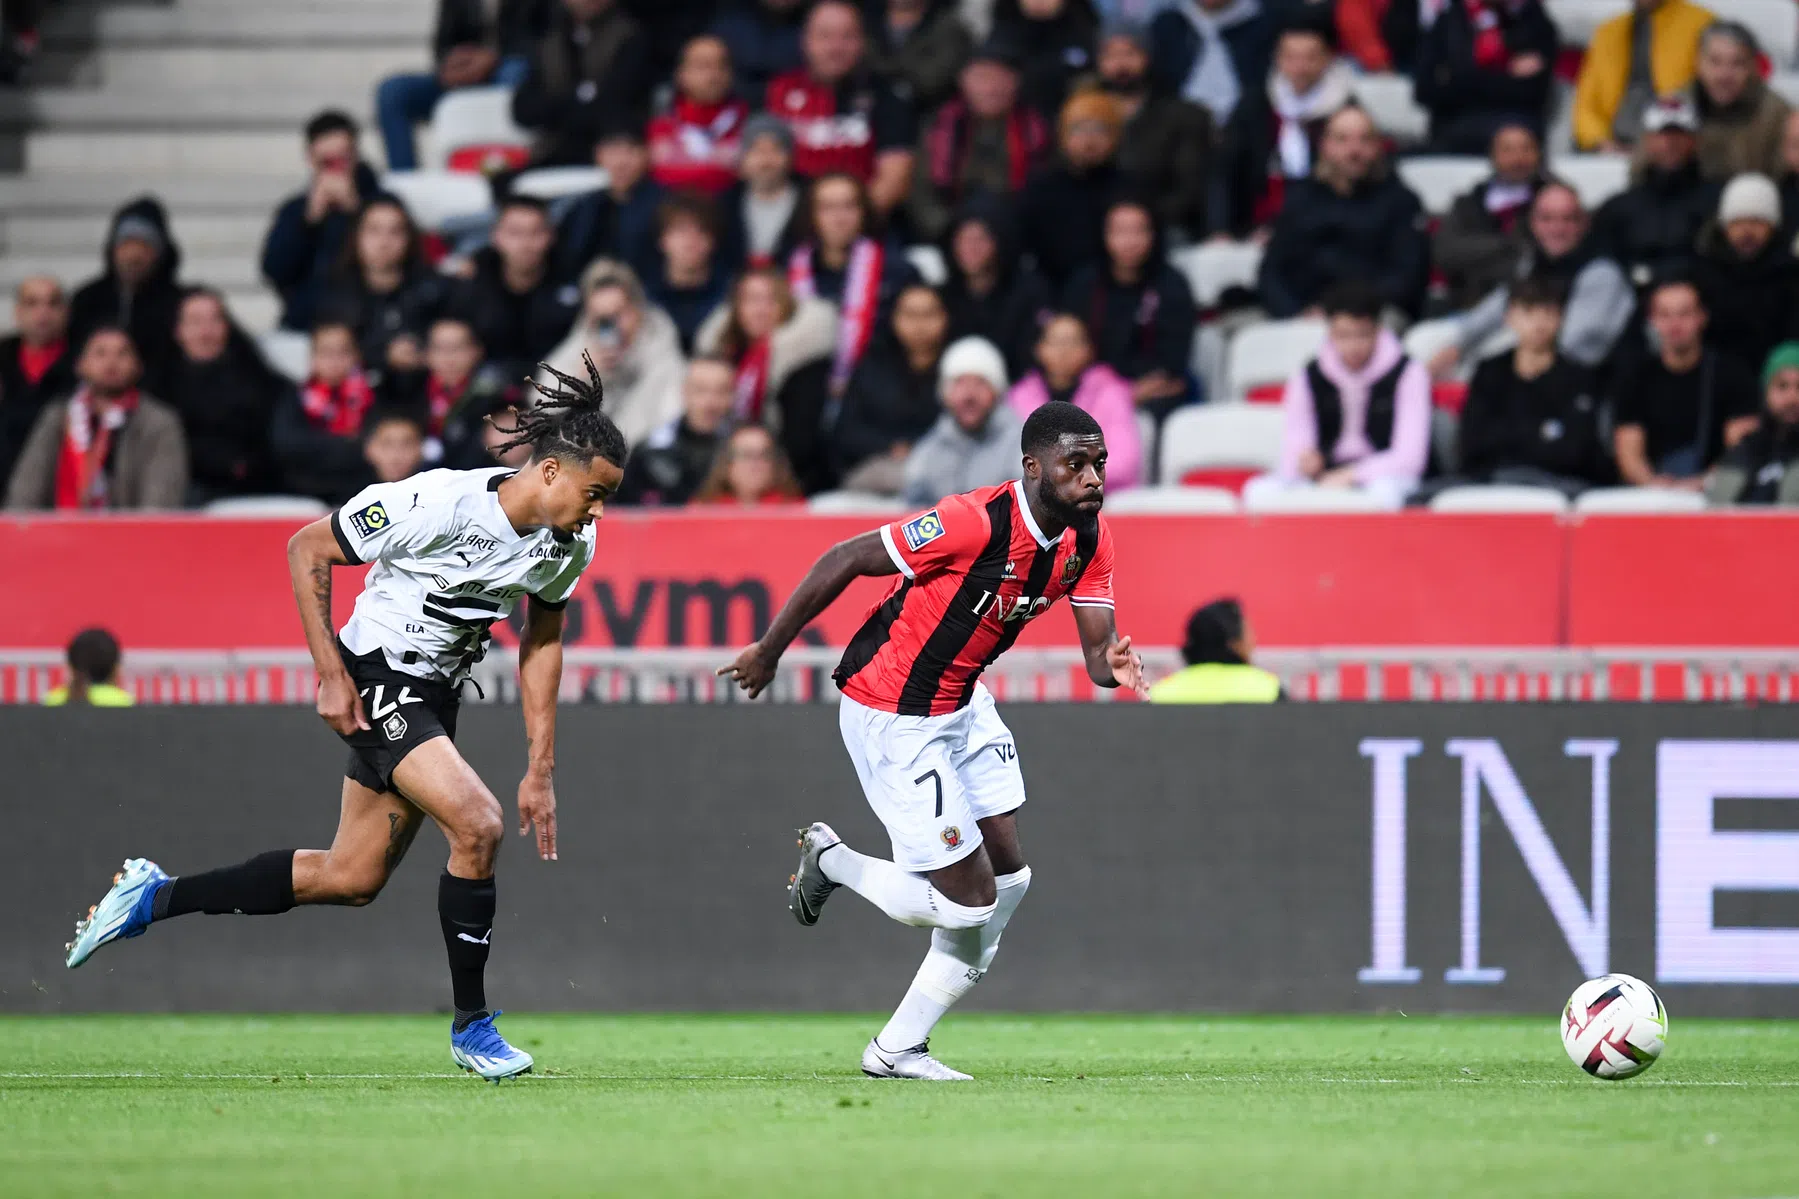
(370, 520)
(920, 531)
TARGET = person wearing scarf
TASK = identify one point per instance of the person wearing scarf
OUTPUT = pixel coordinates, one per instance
(317, 436)
(1211, 52)
(1479, 241)
(695, 145)
(981, 141)
(840, 262)
(1484, 64)
(108, 446)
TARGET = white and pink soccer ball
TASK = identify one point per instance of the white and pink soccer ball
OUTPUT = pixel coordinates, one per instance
(1614, 1026)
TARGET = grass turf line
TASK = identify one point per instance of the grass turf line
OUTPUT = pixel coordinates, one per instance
(678, 1105)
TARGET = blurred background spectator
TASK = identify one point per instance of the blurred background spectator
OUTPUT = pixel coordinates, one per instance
(762, 210)
(592, 64)
(685, 277)
(1054, 39)
(751, 471)
(136, 290)
(1357, 415)
(35, 364)
(382, 289)
(1169, 145)
(393, 445)
(974, 443)
(1066, 372)
(1650, 228)
(458, 394)
(669, 465)
(306, 239)
(695, 143)
(1788, 176)
(634, 345)
(982, 141)
(93, 658)
(1741, 121)
(615, 221)
(226, 396)
(991, 292)
(1681, 406)
(1748, 280)
(1633, 58)
(1532, 416)
(1482, 65)
(839, 259)
(1352, 221)
(845, 118)
(920, 45)
(1219, 648)
(516, 305)
(1138, 309)
(781, 348)
(477, 42)
(1479, 243)
(1064, 204)
(108, 445)
(1271, 140)
(1763, 468)
(317, 433)
(892, 398)
(764, 39)
(1213, 52)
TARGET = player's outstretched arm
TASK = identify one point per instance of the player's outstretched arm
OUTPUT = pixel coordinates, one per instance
(539, 682)
(311, 553)
(1111, 662)
(841, 565)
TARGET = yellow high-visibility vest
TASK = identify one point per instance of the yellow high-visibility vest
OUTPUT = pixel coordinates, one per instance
(99, 695)
(1217, 683)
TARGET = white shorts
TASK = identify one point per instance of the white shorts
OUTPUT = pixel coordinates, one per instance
(930, 778)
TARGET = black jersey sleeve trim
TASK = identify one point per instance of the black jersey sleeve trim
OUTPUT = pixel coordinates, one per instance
(538, 601)
(343, 539)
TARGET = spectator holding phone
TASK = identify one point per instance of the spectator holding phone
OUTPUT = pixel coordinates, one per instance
(634, 345)
(307, 236)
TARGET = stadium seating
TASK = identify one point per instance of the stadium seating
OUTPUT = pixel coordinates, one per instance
(1214, 266)
(1179, 500)
(1321, 500)
(259, 507)
(434, 197)
(472, 129)
(1269, 353)
(1785, 84)
(552, 183)
(1499, 498)
(1638, 499)
(854, 503)
(928, 262)
(1577, 19)
(1596, 178)
(1238, 436)
(289, 353)
(1440, 178)
(1388, 99)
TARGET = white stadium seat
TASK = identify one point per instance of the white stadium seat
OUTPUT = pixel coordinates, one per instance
(1313, 499)
(553, 183)
(1595, 177)
(1602, 500)
(288, 352)
(1576, 20)
(1221, 434)
(257, 507)
(1440, 178)
(855, 503)
(1785, 84)
(1176, 499)
(433, 197)
(1499, 498)
(928, 262)
(1427, 337)
(1269, 353)
(1388, 99)
(1212, 267)
(473, 116)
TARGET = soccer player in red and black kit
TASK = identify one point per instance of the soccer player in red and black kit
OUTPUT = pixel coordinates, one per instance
(938, 765)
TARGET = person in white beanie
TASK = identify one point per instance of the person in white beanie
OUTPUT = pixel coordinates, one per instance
(1747, 276)
(975, 443)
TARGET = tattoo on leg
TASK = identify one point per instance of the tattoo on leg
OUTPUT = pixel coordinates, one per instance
(400, 833)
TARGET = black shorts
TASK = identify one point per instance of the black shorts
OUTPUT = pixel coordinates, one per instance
(404, 711)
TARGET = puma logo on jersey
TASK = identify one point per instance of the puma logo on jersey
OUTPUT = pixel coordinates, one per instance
(378, 711)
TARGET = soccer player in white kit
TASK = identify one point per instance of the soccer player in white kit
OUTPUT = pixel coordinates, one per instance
(451, 552)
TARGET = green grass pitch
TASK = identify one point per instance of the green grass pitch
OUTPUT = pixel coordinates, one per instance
(1091, 1106)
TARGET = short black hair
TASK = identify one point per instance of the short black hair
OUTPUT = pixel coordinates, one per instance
(1676, 278)
(1045, 428)
(332, 120)
(566, 421)
(688, 206)
(1210, 631)
(102, 330)
(1534, 292)
(1309, 24)
(1352, 298)
(456, 318)
(94, 655)
(522, 200)
(388, 415)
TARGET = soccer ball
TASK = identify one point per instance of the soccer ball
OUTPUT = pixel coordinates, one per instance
(1614, 1026)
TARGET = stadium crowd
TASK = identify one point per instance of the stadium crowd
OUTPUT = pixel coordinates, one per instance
(743, 281)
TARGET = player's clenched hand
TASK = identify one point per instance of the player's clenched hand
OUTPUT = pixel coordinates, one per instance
(753, 670)
(339, 705)
(537, 805)
(1127, 667)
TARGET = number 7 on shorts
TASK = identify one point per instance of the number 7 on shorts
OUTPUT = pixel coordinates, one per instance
(938, 780)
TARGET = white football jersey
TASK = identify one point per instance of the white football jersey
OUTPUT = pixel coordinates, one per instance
(447, 564)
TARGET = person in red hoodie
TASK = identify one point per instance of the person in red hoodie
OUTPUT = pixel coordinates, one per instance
(696, 144)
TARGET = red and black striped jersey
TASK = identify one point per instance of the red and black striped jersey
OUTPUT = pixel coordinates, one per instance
(974, 570)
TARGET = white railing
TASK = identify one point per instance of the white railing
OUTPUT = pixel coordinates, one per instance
(610, 675)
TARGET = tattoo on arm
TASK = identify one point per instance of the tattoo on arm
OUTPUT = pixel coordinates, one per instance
(321, 590)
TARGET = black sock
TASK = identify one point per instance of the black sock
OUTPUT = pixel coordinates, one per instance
(465, 907)
(262, 886)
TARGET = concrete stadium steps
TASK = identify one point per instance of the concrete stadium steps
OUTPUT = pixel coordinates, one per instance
(225, 107)
(200, 235)
(226, 272)
(273, 153)
(241, 23)
(337, 71)
(199, 195)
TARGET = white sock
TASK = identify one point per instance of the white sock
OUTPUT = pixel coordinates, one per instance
(907, 898)
(957, 961)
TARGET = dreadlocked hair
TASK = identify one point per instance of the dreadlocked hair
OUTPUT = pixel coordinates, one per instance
(566, 421)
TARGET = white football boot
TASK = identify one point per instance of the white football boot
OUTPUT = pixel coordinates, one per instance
(915, 1062)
